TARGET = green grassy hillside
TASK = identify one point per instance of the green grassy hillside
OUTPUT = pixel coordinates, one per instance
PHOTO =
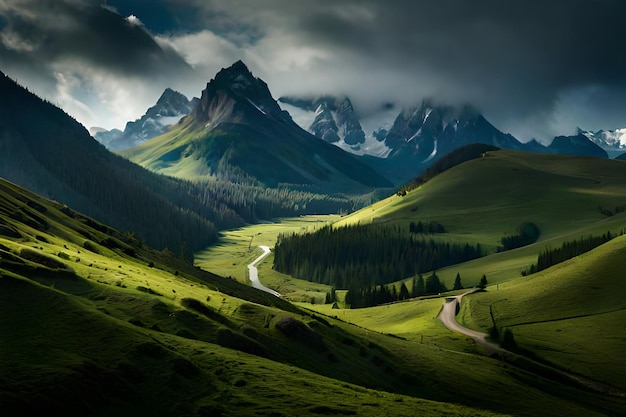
(95, 323)
(484, 199)
(67, 358)
(571, 314)
(164, 153)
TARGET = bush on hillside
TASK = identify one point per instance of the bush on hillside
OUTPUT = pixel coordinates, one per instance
(295, 329)
(148, 290)
(525, 234)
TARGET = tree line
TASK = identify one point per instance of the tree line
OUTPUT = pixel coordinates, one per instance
(362, 256)
(568, 250)
(426, 227)
(373, 295)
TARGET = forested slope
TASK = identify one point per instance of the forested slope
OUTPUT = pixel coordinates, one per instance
(45, 150)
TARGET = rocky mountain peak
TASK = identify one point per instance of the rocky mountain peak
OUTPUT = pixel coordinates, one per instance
(237, 76)
(235, 94)
(612, 141)
(171, 103)
(335, 120)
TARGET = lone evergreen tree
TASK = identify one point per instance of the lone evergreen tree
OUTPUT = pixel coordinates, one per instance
(457, 282)
(483, 282)
(433, 285)
(420, 287)
(404, 292)
(331, 296)
(508, 340)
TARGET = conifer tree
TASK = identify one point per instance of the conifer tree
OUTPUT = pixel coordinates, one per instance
(457, 282)
(404, 292)
(433, 285)
(483, 282)
(420, 286)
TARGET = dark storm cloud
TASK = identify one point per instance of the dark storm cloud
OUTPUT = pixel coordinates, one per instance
(159, 16)
(534, 67)
(515, 59)
(86, 57)
(71, 29)
(569, 41)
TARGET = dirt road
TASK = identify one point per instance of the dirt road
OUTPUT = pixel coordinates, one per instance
(253, 272)
(448, 318)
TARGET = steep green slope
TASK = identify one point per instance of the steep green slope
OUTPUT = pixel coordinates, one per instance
(79, 361)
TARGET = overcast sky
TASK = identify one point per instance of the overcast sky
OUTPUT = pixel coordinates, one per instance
(534, 68)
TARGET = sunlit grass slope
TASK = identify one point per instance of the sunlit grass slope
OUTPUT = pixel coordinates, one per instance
(64, 357)
(572, 314)
(164, 154)
(438, 354)
(508, 265)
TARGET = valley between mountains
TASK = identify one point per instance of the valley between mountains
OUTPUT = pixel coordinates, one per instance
(225, 260)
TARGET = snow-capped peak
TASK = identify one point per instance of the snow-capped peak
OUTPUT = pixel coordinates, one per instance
(607, 139)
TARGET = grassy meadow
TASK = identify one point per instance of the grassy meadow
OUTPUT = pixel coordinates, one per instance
(237, 248)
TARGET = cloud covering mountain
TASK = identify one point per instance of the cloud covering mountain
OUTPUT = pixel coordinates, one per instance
(534, 68)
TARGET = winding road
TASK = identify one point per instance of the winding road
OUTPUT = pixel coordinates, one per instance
(448, 318)
(253, 272)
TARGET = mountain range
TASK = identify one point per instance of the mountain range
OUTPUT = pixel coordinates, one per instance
(399, 144)
(421, 134)
(238, 130)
